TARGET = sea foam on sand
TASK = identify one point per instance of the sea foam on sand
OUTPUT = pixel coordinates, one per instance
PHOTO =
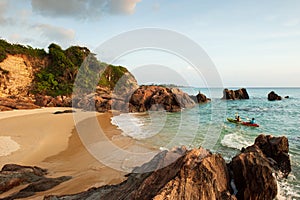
(7, 145)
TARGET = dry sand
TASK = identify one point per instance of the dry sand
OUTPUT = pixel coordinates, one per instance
(52, 142)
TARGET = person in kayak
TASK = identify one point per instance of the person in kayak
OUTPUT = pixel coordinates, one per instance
(252, 121)
(238, 119)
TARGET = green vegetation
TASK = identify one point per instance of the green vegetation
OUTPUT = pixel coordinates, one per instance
(58, 76)
(13, 49)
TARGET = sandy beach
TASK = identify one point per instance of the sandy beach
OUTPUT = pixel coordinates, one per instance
(52, 142)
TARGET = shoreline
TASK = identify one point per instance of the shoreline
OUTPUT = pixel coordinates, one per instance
(52, 142)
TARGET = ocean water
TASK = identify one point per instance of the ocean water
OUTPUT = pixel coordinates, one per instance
(205, 125)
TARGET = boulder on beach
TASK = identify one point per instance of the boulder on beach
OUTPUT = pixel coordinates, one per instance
(235, 94)
(272, 96)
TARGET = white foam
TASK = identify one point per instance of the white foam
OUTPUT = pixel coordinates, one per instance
(235, 141)
(7, 145)
(140, 127)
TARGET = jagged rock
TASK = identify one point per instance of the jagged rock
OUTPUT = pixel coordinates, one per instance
(253, 169)
(276, 148)
(177, 174)
(252, 175)
(272, 96)
(48, 101)
(13, 175)
(10, 104)
(200, 98)
(159, 98)
(234, 95)
(287, 97)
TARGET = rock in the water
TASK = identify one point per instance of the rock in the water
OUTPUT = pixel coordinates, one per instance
(159, 98)
(276, 148)
(178, 174)
(200, 98)
(235, 94)
(13, 175)
(252, 175)
(272, 96)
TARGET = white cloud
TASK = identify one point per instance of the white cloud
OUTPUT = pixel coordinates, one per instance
(83, 9)
(55, 33)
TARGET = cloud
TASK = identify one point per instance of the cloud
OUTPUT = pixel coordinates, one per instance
(3, 8)
(123, 6)
(83, 9)
(291, 22)
(55, 33)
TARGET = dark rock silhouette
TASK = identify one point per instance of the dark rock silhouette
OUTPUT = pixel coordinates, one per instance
(200, 98)
(235, 94)
(272, 96)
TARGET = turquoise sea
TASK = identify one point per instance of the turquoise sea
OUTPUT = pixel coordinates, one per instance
(205, 125)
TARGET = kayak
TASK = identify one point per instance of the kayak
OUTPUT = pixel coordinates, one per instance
(242, 123)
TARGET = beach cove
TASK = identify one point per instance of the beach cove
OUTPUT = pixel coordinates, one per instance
(51, 142)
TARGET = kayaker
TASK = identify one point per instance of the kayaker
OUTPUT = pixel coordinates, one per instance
(252, 121)
(238, 119)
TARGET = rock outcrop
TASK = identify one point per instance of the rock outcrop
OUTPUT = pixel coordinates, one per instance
(200, 98)
(13, 175)
(235, 94)
(177, 174)
(276, 148)
(253, 169)
(7, 104)
(159, 98)
(272, 96)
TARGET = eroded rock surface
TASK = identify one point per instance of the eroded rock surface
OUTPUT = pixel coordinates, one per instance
(235, 94)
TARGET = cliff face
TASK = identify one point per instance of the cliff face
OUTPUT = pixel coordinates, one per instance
(17, 73)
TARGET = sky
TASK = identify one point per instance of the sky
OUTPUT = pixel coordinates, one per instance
(250, 43)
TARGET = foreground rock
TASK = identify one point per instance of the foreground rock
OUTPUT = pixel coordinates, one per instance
(272, 96)
(199, 174)
(200, 98)
(253, 169)
(13, 175)
(235, 94)
(7, 104)
(177, 174)
(159, 98)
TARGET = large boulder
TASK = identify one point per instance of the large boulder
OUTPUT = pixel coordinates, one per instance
(272, 96)
(253, 169)
(177, 174)
(159, 98)
(252, 175)
(235, 94)
(276, 148)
